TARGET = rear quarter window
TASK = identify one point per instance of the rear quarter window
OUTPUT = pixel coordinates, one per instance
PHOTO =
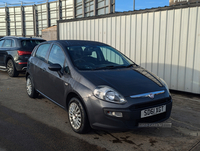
(1, 43)
(30, 44)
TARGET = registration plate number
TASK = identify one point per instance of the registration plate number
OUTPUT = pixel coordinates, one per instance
(153, 111)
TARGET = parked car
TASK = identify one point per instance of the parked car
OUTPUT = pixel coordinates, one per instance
(98, 86)
(14, 53)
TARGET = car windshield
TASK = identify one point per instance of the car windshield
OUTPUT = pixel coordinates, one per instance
(30, 44)
(97, 58)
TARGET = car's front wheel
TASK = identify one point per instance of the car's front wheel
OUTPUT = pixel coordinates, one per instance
(77, 116)
(11, 70)
(30, 89)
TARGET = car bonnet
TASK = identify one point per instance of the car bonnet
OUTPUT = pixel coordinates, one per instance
(127, 81)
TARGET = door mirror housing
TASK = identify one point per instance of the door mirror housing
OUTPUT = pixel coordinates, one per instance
(55, 67)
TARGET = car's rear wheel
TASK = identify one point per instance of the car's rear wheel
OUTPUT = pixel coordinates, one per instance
(11, 70)
(30, 89)
(77, 116)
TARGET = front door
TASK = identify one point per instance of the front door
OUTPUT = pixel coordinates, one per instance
(55, 81)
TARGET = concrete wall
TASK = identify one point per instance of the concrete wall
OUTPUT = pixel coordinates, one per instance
(50, 33)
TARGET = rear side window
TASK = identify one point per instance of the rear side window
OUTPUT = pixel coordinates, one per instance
(42, 51)
(30, 44)
(7, 43)
(13, 43)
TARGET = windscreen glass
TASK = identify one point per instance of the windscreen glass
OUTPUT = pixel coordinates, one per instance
(97, 57)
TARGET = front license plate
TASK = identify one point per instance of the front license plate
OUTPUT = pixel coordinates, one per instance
(153, 111)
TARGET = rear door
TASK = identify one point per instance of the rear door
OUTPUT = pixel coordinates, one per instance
(38, 67)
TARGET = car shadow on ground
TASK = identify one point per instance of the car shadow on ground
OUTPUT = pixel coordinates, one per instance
(21, 132)
(21, 75)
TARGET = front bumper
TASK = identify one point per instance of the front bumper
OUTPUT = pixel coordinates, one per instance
(131, 114)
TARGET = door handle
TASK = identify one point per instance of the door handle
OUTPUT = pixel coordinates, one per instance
(43, 69)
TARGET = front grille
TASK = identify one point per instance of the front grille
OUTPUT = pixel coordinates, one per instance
(150, 104)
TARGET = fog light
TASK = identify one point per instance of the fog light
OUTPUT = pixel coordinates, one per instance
(116, 114)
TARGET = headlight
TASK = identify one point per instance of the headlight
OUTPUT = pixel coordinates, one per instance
(165, 84)
(108, 94)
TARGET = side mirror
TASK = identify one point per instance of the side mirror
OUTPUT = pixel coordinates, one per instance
(55, 67)
(67, 70)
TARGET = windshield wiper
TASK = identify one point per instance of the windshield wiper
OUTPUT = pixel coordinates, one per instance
(130, 65)
(106, 67)
(114, 67)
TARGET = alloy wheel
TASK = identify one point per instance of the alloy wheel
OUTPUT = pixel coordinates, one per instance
(10, 68)
(75, 116)
(29, 86)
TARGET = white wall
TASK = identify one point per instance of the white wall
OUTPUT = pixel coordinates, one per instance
(165, 42)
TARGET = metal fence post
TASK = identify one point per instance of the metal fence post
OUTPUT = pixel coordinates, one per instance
(113, 6)
(7, 21)
(22, 21)
(35, 20)
(95, 7)
(74, 9)
(109, 6)
(48, 14)
(83, 8)
(59, 10)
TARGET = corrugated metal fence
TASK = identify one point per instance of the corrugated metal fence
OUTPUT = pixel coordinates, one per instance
(166, 42)
(30, 20)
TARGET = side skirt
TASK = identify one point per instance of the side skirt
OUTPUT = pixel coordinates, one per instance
(3, 68)
(51, 100)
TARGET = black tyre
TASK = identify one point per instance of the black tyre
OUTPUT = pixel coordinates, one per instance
(77, 116)
(11, 70)
(30, 89)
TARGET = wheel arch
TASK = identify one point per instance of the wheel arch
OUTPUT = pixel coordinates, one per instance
(71, 95)
(27, 74)
(74, 94)
(8, 58)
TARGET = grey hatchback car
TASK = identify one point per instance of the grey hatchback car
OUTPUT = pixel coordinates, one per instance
(99, 86)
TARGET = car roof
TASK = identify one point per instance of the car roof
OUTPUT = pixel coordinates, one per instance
(23, 38)
(79, 42)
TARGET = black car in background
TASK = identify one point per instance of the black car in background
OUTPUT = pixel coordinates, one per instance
(98, 86)
(14, 53)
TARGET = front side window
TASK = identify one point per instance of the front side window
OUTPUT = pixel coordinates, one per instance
(7, 43)
(42, 51)
(56, 56)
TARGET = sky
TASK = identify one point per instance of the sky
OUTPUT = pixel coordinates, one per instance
(126, 5)
(121, 5)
